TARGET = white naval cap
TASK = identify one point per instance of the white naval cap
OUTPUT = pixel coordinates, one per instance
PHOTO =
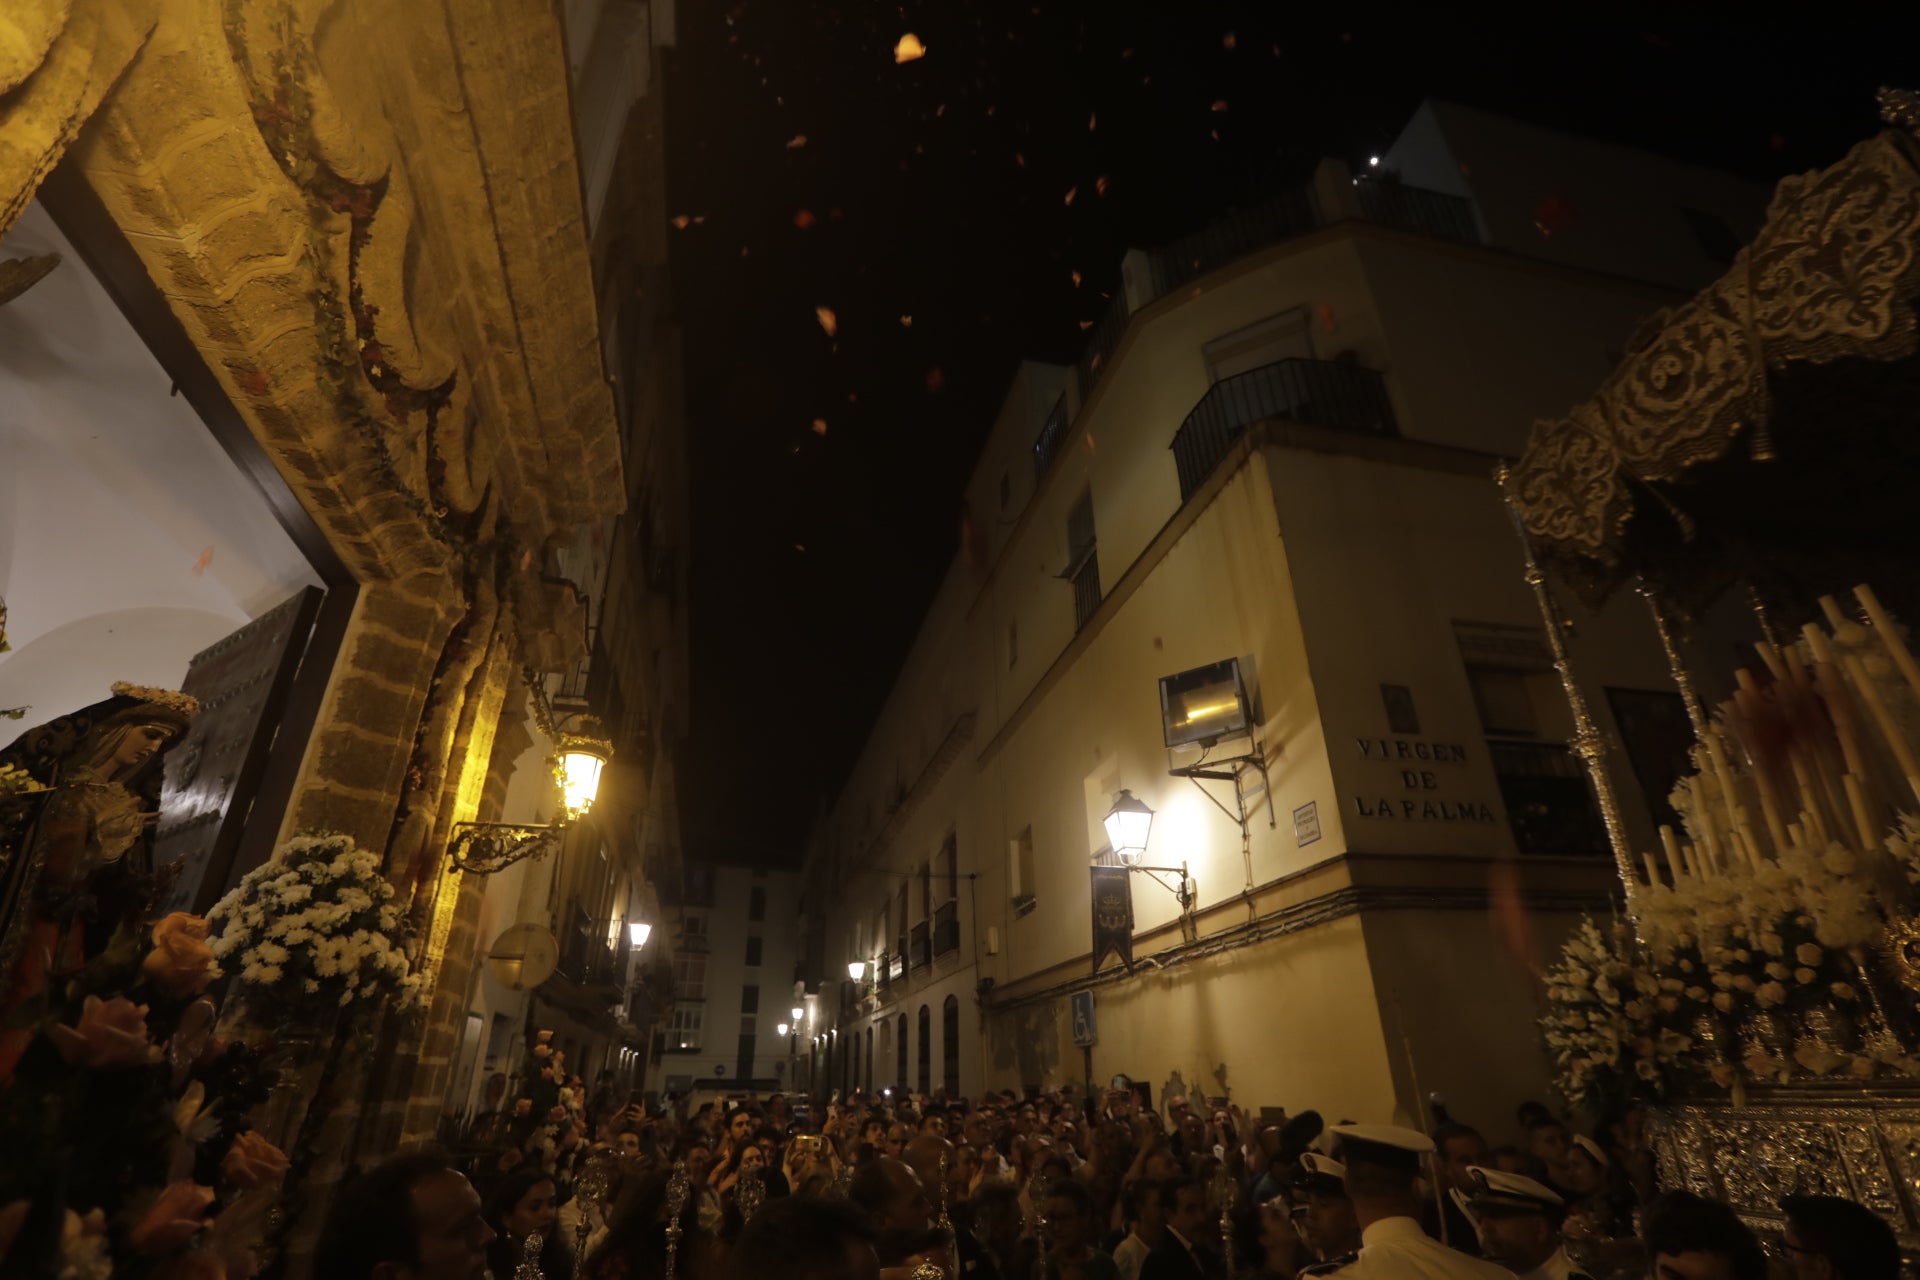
(1593, 1149)
(1321, 1173)
(1382, 1144)
(1496, 1190)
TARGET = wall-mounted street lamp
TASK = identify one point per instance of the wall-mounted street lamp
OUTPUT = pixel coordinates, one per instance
(1128, 824)
(856, 969)
(780, 1030)
(578, 761)
(799, 1015)
(638, 933)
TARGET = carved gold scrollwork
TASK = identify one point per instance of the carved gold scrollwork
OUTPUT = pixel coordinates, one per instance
(1831, 275)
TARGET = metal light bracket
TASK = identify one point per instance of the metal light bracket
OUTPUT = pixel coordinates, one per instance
(482, 848)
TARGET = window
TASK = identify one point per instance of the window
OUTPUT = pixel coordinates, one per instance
(900, 1052)
(869, 1059)
(757, 904)
(753, 952)
(750, 999)
(1286, 336)
(950, 1046)
(950, 865)
(1504, 701)
(1083, 560)
(926, 1050)
(926, 890)
(690, 975)
(1711, 232)
(743, 1062)
(1020, 867)
(683, 1032)
(1550, 806)
(1654, 728)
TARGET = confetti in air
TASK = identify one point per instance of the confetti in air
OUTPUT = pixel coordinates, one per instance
(804, 219)
(1076, 279)
(828, 321)
(200, 565)
(819, 426)
(1100, 184)
(906, 322)
(1220, 104)
(1071, 193)
(796, 142)
(1229, 40)
(909, 49)
(681, 222)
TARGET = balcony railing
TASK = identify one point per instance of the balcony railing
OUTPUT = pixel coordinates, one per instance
(946, 928)
(898, 960)
(1396, 204)
(1322, 393)
(922, 946)
(1549, 803)
(1233, 237)
(1052, 432)
(882, 975)
(1086, 590)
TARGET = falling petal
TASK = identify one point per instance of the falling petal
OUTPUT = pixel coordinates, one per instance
(1100, 184)
(200, 565)
(819, 426)
(1228, 40)
(1086, 324)
(796, 142)
(828, 321)
(1076, 279)
(906, 322)
(804, 218)
(1019, 159)
(936, 379)
(908, 49)
(1071, 193)
(1093, 121)
(1219, 104)
(680, 221)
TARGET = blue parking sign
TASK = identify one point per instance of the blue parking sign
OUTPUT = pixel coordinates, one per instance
(1085, 1034)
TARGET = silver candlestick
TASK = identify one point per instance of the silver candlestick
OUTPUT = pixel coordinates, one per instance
(678, 1189)
(529, 1268)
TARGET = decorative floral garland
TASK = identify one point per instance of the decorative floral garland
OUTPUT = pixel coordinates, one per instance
(311, 934)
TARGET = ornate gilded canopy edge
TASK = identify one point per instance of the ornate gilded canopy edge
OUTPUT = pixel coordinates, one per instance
(1833, 274)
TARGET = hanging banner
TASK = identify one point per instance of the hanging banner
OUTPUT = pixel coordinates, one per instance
(1112, 916)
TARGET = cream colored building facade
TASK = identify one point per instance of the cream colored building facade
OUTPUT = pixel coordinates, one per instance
(1278, 450)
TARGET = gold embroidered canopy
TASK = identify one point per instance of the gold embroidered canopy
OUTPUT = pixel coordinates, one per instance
(1767, 426)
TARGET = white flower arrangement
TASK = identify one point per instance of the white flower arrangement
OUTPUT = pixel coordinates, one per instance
(314, 931)
(1601, 1027)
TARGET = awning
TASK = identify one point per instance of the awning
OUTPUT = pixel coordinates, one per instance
(1768, 430)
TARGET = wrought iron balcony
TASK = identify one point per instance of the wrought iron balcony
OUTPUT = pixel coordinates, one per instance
(922, 945)
(946, 928)
(1321, 393)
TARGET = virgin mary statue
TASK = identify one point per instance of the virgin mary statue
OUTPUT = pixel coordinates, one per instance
(75, 859)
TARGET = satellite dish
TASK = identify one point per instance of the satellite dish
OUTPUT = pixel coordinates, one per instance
(523, 957)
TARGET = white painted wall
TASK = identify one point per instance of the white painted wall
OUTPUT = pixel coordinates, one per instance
(129, 541)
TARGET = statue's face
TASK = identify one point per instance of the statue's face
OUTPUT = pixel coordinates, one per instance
(138, 746)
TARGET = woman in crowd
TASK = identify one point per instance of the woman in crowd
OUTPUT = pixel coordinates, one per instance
(522, 1205)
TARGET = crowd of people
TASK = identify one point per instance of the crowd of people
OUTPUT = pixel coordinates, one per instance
(1059, 1187)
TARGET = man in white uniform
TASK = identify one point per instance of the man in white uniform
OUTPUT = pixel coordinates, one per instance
(1383, 1173)
(1519, 1223)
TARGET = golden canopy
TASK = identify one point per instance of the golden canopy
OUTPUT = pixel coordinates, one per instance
(1771, 424)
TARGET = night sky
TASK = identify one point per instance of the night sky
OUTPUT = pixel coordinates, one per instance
(939, 210)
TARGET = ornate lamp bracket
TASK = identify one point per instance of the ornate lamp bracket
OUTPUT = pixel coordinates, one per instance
(483, 848)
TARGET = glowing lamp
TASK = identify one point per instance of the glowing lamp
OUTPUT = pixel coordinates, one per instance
(581, 760)
(780, 1030)
(639, 933)
(1205, 704)
(799, 1014)
(856, 969)
(1128, 823)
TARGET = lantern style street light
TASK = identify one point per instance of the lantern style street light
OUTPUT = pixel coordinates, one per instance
(579, 759)
(638, 933)
(856, 969)
(1128, 824)
(799, 1015)
(780, 1030)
